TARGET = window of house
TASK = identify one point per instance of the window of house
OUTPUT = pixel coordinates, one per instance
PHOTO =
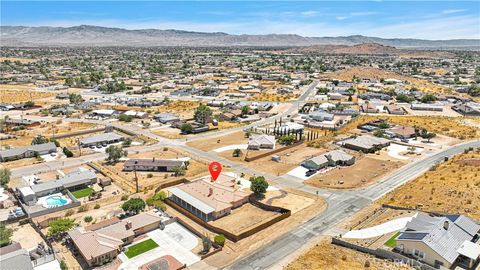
(419, 254)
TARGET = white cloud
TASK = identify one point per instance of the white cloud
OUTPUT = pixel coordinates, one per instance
(309, 13)
(452, 11)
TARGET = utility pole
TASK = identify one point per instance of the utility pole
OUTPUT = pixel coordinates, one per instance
(136, 178)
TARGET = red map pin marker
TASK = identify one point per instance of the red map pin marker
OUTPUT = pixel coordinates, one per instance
(215, 169)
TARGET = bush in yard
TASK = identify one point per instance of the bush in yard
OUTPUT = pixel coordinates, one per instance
(82, 208)
(127, 142)
(5, 234)
(149, 175)
(57, 143)
(88, 219)
(186, 128)
(219, 239)
(258, 185)
(97, 206)
(5, 175)
(207, 244)
(237, 152)
(67, 152)
(39, 140)
(63, 265)
(124, 197)
(287, 139)
(69, 212)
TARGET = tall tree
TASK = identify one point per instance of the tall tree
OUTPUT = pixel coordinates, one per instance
(203, 114)
(115, 153)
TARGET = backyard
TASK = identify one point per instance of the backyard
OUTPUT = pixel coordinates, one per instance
(82, 193)
(140, 248)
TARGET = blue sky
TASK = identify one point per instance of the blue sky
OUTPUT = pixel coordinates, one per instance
(403, 19)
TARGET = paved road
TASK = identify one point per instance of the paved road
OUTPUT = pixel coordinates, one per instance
(340, 206)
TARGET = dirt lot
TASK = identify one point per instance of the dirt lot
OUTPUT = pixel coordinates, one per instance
(365, 171)
(377, 74)
(18, 93)
(273, 97)
(26, 236)
(290, 158)
(195, 168)
(24, 137)
(15, 59)
(244, 218)
(328, 256)
(293, 200)
(168, 132)
(232, 251)
(448, 126)
(453, 187)
(214, 143)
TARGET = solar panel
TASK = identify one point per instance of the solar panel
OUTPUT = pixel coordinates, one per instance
(411, 236)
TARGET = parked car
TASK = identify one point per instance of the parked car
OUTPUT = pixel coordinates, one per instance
(310, 173)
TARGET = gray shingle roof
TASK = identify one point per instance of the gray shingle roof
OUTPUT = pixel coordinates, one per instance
(103, 137)
(21, 150)
(445, 242)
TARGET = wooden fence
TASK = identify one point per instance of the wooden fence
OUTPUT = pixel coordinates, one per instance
(284, 213)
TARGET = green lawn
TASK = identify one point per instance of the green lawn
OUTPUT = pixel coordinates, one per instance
(82, 193)
(392, 242)
(140, 248)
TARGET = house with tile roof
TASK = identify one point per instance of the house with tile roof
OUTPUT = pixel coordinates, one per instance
(206, 199)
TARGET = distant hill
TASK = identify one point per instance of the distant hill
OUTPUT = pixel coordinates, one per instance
(372, 49)
(86, 35)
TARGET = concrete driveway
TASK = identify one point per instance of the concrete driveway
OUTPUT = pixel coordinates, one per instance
(174, 240)
(379, 230)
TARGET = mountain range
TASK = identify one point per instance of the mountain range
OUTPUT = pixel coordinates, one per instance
(87, 35)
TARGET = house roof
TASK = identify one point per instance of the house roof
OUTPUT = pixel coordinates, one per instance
(119, 230)
(208, 196)
(102, 137)
(19, 258)
(403, 130)
(261, 140)
(338, 155)
(93, 244)
(445, 242)
(69, 180)
(366, 141)
(21, 150)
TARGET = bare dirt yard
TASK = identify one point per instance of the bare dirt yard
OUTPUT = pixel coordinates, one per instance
(289, 159)
(244, 218)
(24, 137)
(452, 187)
(19, 93)
(448, 126)
(328, 256)
(290, 199)
(365, 171)
(377, 74)
(217, 142)
(232, 251)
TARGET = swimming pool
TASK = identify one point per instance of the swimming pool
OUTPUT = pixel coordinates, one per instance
(56, 201)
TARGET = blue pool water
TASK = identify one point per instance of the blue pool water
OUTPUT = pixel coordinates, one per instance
(56, 201)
